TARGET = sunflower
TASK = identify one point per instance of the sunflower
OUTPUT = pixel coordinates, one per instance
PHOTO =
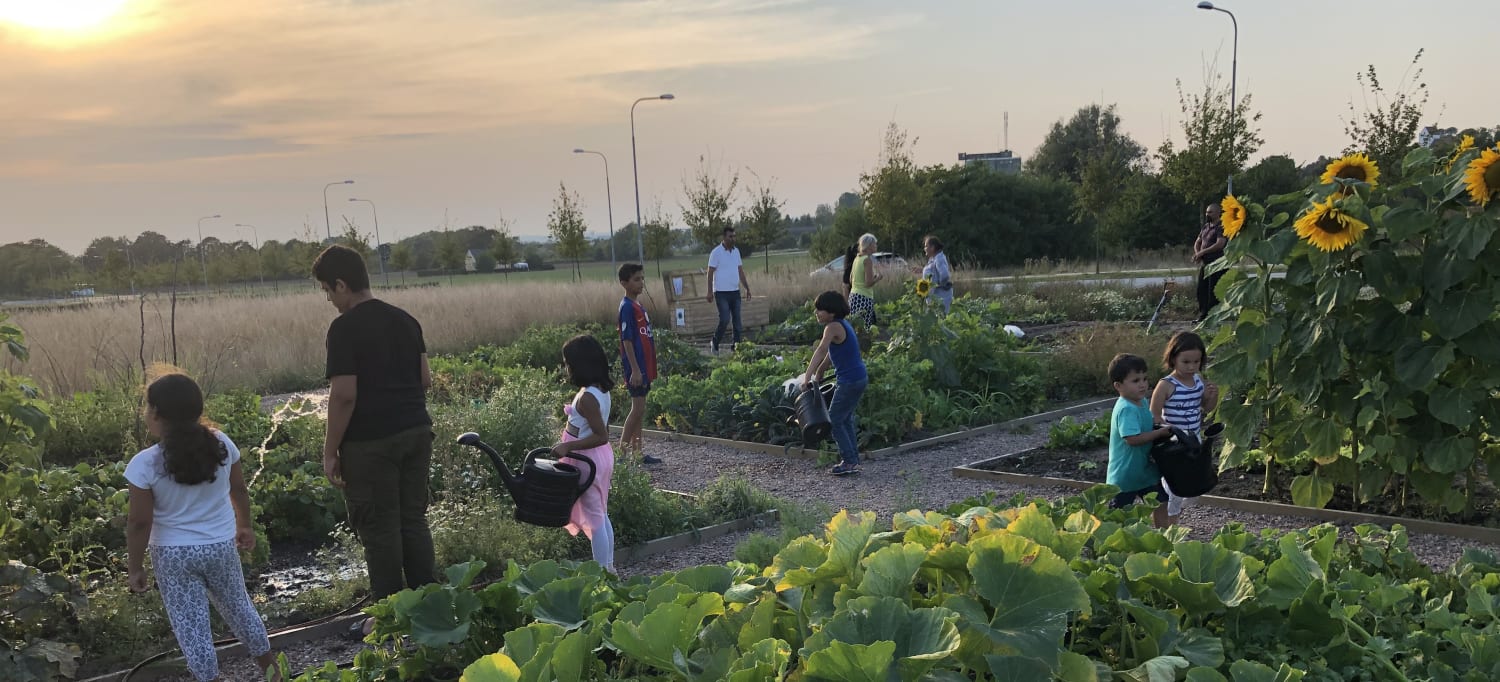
(1352, 167)
(1234, 216)
(1483, 176)
(1328, 228)
(1464, 145)
(924, 287)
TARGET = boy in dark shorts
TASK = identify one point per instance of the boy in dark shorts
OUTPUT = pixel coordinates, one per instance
(1131, 432)
(637, 357)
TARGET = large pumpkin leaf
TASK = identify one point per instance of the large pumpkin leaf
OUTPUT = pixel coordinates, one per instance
(441, 617)
(1032, 592)
(922, 636)
(841, 662)
(1289, 576)
(890, 570)
(762, 661)
(1250, 671)
(664, 635)
(492, 668)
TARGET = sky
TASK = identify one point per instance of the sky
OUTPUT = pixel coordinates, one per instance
(118, 116)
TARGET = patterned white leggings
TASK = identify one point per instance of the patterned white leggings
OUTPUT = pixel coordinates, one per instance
(188, 577)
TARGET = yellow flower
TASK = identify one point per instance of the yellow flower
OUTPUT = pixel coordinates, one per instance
(1328, 228)
(1352, 167)
(1234, 216)
(924, 287)
(1464, 145)
(1482, 179)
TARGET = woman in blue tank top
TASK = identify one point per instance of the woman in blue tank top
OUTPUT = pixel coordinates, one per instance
(840, 347)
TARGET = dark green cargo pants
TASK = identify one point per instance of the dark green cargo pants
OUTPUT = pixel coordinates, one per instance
(385, 486)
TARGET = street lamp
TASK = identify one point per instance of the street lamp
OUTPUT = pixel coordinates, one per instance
(1234, 67)
(378, 255)
(203, 259)
(609, 202)
(327, 227)
(640, 243)
(259, 267)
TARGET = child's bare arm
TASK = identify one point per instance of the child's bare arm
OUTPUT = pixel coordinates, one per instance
(1159, 398)
(1147, 437)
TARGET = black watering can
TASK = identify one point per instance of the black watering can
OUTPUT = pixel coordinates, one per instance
(811, 414)
(545, 490)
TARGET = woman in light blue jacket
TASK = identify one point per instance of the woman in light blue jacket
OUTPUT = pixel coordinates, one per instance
(938, 272)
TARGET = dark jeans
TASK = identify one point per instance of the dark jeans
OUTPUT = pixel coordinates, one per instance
(841, 414)
(1206, 298)
(385, 486)
(729, 306)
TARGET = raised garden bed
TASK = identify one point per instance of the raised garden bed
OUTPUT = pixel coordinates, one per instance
(1237, 490)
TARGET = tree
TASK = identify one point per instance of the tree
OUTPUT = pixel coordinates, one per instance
(658, 235)
(710, 203)
(1387, 129)
(352, 238)
(1092, 132)
(566, 225)
(1217, 144)
(763, 221)
(450, 252)
(401, 259)
(895, 205)
(849, 222)
(505, 249)
(1269, 177)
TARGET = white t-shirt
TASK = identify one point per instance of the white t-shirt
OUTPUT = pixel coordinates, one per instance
(727, 262)
(185, 514)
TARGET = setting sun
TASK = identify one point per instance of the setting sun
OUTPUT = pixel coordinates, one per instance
(59, 15)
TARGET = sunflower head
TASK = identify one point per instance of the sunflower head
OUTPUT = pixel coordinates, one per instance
(1482, 178)
(1356, 167)
(1234, 215)
(1328, 228)
(924, 287)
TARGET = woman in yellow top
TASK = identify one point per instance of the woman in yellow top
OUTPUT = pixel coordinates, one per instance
(862, 281)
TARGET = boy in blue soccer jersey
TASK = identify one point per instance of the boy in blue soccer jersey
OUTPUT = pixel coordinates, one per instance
(637, 357)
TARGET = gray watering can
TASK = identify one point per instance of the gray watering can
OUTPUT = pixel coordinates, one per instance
(546, 489)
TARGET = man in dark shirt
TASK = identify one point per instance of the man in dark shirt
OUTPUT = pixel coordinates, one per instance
(379, 443)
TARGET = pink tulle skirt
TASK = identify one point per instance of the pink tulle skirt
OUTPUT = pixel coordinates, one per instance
(592, 509)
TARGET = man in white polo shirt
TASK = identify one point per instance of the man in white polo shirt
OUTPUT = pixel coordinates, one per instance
(726, 272)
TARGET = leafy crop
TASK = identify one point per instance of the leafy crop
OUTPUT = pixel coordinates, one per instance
(1070, 434)
(1026, 590)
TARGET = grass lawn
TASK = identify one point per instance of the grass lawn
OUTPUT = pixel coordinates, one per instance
(600, 271)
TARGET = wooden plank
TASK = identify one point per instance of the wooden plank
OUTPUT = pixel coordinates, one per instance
(673, 543)
(1455, 530)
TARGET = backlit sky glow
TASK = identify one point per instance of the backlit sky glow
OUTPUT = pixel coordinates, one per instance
(168, 110)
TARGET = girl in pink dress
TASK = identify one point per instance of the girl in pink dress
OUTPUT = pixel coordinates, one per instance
(587, 433)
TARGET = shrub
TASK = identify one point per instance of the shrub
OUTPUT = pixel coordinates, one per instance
(1078, 368)
(1070, 434)
(94, 426)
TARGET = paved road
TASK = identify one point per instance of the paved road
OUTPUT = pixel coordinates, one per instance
(1118, 278)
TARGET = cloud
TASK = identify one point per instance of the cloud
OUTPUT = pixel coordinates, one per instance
(205, 79)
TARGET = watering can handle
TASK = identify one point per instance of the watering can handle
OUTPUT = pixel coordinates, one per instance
(592, 470)
(531, 456)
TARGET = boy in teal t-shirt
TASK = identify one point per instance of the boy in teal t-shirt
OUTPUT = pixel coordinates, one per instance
(1131, 432)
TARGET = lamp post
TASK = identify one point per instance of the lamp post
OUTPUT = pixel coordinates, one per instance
(260, 268)
(1234, 67)
(202, 257)
(640, 229)
(608, 202)
(328, 227)
(378, 255)
(130, 263)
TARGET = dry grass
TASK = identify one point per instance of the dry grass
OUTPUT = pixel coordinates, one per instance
(277, 344)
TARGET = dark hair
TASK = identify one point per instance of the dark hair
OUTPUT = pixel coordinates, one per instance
(726, 230)
(833, 303)
(1125, 364)
(192, 454)
(849, 256)
(586, 363)
(1180, 343)
(628, 270)
(937, 244)
(339, 262)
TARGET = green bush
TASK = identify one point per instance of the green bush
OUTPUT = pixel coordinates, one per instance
(95, 426)
(515, 417)
(1078, 367)
(1070, 434)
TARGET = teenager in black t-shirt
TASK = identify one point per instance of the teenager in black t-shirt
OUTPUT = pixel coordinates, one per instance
(379, 442)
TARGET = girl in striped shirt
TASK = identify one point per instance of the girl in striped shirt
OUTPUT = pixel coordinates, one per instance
(1182, 396)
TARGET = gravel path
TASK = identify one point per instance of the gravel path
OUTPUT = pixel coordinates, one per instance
(920, 479)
